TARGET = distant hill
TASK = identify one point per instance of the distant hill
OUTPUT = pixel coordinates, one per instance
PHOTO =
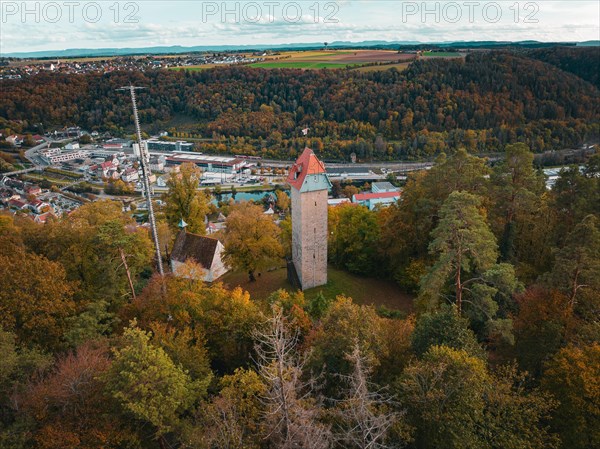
(177, 49)
(583, 61)
(481, 102)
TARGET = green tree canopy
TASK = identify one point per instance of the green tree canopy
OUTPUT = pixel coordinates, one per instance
(444, 327)
(148, 385)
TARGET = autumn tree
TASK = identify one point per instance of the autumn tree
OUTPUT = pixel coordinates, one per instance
(90, 245)
(350, 190)
(36, 299)
(383, 342)
(285, 226)
(353, 239)
(514, 415)
(70, 407)
(20, 366)
(251, 239)
(185, 347)
(184, 201)
(283, 201)
(543, 325)
(198, 314)
(573, 377)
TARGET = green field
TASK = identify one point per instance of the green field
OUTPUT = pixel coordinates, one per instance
(301, 65)
(362, 290)
(322, 59)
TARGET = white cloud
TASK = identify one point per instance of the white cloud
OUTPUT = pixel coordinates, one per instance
(183, 23)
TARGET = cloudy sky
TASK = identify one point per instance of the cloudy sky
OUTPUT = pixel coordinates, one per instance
(58, 25)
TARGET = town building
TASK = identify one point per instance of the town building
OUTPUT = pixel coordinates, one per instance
(165, 145)
(55, 156)
(337, 201)
(219, 164)
(130, 175)
(157, 164)
(383, 187)
(205, 251)
(309, 187)
(376, 199)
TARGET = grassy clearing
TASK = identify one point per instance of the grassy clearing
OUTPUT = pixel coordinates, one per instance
(52, 179)
(363, 290)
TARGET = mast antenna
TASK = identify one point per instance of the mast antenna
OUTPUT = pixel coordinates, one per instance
(144, 157)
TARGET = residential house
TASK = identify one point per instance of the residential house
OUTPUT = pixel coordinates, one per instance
(33, 189)
(14, 140)
(162, 181)
(39, 206)
(43, 218)
(17, 204)
(130, 175)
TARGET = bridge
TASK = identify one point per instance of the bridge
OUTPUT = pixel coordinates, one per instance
(25, 170)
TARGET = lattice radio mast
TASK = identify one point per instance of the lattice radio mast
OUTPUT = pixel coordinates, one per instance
(145, 173)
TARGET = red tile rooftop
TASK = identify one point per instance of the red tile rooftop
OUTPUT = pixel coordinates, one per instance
(371, 196)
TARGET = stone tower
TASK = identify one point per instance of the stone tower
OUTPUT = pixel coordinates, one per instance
(309, 184)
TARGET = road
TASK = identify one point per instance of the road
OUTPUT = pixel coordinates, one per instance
(32, 156)
(78, 181)
(361, 167)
